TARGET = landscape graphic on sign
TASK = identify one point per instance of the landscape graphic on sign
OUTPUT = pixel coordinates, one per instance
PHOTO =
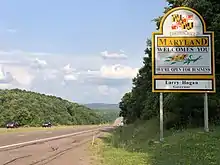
(184, 58)
(182, 22)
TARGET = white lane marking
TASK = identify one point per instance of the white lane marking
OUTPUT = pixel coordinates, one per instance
(48, 139)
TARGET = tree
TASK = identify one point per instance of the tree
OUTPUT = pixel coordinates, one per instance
(30, 108)
(138, 103)
(127, 108)
(141, 103)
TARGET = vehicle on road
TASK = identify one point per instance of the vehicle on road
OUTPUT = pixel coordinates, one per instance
(12, 125)
(120, 124)
(47, 124)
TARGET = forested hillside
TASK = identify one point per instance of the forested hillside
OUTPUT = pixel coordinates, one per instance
(108, 115)
(181, 110)
(102, 106)
(30, 108)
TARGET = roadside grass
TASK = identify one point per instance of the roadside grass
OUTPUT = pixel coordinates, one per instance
(137, 145)
(30, 129)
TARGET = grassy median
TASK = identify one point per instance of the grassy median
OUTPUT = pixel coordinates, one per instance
(137, 145)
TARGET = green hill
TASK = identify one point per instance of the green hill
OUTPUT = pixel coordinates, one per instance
(30, 108)
(108, 112)
(108, 115)
(102, 106)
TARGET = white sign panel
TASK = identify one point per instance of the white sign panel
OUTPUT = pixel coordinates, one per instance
(183, 55)
(183, 48)
(184, 84)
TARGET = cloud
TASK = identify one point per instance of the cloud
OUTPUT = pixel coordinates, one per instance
(118, 71)
(14, 78)
(79, 78)
(50, 74)
(20, 74)
(70, 77)
(107, 55)
(39, 64)
(68, 69)
(105, 90)
(116, 76)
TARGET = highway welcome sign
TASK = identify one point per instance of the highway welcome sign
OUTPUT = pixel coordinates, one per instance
(183, 54)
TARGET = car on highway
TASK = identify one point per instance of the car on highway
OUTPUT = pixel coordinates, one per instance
(47, 124)
(120, 124)
(12, 125)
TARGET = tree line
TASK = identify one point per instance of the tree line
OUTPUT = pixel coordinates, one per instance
(181, 109)
(108, 115)
(32, 109)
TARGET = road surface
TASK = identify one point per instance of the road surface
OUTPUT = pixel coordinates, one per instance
(67, 151)
(18, 137)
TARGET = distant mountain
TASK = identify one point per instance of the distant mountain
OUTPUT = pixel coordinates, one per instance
(101, 106)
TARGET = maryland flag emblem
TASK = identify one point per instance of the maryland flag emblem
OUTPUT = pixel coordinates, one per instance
(182, 22)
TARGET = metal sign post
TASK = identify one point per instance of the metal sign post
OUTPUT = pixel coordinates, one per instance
(206, 113)
(161, 117)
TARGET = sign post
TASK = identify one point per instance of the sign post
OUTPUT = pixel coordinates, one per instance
(206, 113)
(183, 56)
(161, 116)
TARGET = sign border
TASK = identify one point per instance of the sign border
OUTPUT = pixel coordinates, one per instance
(186, 90)
(212, 61)
(185, 76)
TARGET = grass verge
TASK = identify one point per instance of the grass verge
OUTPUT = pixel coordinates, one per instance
(137, 144)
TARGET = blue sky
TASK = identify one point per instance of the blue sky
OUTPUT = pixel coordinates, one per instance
(45, 38)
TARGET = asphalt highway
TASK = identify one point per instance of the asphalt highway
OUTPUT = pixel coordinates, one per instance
(70, 150)
(19, 137)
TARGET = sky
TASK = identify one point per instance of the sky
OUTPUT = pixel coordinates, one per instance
(81, 50)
